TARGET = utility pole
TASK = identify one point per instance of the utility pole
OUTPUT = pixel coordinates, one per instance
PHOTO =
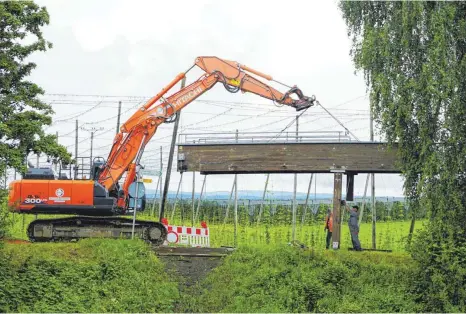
(118, 118)
(363, 200)
(307, 199)
(293, 229)
(135, 205)
(374, 212)
(92, 130)
(176, 197)
(229, 201)
(92, 144)
(236, 203)
(76, 151)
(56, 164)
(194, 183)
(170, 157)
(37, 166)
(200, 198)
(161, 178)
(263, 198)
(236, 212)
(155, 196)
(337, 186)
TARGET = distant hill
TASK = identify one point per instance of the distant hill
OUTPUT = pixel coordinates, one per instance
(257, 195)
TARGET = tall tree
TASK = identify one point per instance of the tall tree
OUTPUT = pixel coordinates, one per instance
(413, 58)
(22, 113)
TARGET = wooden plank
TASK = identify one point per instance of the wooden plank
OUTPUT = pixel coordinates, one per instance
(356, 157)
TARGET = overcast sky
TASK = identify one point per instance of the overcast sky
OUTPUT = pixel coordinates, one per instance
(134, 48)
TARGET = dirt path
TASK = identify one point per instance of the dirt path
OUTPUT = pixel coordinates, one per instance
(192, 264)
(191, 269)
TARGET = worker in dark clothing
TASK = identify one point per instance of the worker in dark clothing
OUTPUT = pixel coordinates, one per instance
(354, 225)
(329, 227)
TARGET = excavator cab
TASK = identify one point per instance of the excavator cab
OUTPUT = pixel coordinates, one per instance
(97, 164)
(87, 168)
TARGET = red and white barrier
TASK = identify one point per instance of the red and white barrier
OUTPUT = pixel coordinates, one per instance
(187, 236)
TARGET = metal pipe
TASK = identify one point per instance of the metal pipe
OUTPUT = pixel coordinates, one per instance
(176, 197)
(164, 90)
(170, 158)
(263, 198)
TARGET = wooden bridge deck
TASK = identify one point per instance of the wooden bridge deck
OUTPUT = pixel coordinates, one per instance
(347, 157)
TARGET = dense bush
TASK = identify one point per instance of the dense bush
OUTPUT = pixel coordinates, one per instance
(256, 279)
(88, 276)
(440, 282)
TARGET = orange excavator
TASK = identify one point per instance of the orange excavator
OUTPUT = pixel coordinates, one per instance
(98, 201)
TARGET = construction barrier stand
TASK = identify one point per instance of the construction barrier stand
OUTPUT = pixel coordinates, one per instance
(187, 236)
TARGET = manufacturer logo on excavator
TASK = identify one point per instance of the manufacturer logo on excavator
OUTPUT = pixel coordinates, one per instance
(188, 96)
(60, 196)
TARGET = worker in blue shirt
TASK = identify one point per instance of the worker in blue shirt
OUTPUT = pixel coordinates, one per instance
(353, 225)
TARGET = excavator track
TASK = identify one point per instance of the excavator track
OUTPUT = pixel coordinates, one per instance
(80, 227)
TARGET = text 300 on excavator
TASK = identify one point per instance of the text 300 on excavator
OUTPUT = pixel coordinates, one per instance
(99, 200)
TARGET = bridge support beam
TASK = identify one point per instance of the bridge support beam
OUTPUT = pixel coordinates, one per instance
(337, 186)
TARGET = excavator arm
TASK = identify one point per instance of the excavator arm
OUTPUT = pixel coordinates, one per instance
(138, 130)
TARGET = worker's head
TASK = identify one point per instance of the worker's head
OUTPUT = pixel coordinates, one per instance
(356, 208)
(329, 211)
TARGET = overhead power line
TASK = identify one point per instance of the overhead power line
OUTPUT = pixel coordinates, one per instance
(76, 115)
(207, 101)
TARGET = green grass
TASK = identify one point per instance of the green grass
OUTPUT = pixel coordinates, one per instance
(93, 275)
(389, 235)
(100, 275)
(284, 279)
(263, 275)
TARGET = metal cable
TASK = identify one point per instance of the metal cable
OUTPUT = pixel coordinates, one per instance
(289, 124)
(77, 114)
(339, 122)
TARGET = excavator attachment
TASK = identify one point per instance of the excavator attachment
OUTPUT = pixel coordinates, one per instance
(303, 102)
(75, 228)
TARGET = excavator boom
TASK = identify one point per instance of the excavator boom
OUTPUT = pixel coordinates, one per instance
(144, 122)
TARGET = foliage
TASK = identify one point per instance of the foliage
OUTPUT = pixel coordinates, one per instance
(413, 55)
(88, 276)
(22, 113)
(266, 276)
(125, 276)
(5, 218)
(391, 235)
(285, 279)
(275, 213)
